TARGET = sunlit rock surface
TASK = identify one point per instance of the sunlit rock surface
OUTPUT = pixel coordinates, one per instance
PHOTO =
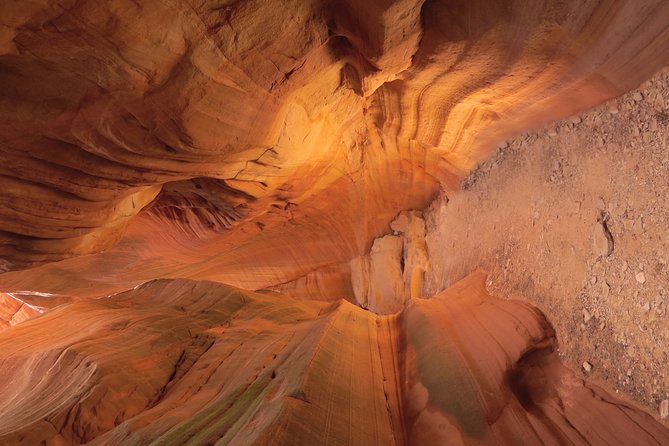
(284, 147)
(196, 362)
(266, 141)
(14, 310)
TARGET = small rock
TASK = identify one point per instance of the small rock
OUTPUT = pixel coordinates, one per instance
(602, 325)
(653, 125)
(646, 306)
(637, 226)
(624, 266)
(588, 367)
(602, 241)
(638, 97)
(628, 224)
(593, 280)
(552, 132)
(659, 103)
(606, 289)
(586, 316)
(640, 277)
(575, 120)
(629, 372)
(664, 409)
(613, 109)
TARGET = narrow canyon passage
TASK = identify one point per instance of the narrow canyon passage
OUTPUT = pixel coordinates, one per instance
(304, 222)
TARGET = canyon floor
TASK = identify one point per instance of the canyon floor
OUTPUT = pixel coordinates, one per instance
(573, 218)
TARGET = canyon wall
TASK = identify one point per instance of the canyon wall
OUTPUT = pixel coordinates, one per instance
(196, 362)
(210, 226)
(258, 143)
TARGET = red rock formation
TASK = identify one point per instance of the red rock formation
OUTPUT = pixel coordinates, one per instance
(13, 310)
(186, 362)
(305, 125)
(269, 145)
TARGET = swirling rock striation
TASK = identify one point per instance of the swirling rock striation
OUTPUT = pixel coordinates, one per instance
(153, 150)
(296, 129)
(196, 362)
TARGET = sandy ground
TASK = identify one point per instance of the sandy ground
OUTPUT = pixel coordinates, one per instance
(575, 218)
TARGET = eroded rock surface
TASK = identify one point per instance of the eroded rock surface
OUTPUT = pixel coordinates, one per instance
(268, 141)
(13, 310)
(540, 199)
(188, 362)
(287, 146)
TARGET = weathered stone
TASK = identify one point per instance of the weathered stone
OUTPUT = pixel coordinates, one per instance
(602, 240)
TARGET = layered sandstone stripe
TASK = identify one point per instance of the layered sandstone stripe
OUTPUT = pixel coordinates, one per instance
(195, 362)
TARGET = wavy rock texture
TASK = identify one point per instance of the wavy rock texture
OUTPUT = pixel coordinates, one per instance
(13, 310)
(277, 146)
(303, 126)
(188, 362)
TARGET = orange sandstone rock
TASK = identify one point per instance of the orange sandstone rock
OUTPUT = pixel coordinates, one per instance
(274, 145)
(257, 142)
(188, 362)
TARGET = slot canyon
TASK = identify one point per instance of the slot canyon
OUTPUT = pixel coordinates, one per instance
(334, 222)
